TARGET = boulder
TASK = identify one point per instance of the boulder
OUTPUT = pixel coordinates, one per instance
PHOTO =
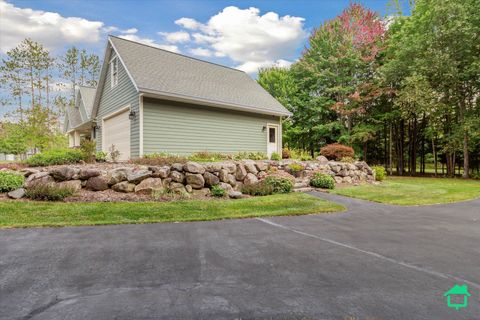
(29, 171)
(196, 180)
(343, 173)
(137, 176)
(177, 166)
(188, 188)
(261, 175)
(225, 186)
(322, 159)
(261, 165)
(166, 182)
(231, 180)
(124, 186)
(117, 175)
(201, 192)
(229, 166)
(63, 173)
(75, 185)
(213, 167)
(241, 172)
(37, 175)
(149, 185)
(177, 176)
(250, 167)
(160, 172)
(193, 167)
(177, 187)
(238, 186)
(223, 175)
(347, 180)
(338, 179)
(39, 178)
(16, 194)
(235, 195)
(97, 184)
(85, 174)
(250, 179)
(210, 179)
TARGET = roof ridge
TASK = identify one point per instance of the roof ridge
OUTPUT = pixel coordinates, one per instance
(179, 54)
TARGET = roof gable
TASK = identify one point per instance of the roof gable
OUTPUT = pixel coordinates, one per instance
(156, 71)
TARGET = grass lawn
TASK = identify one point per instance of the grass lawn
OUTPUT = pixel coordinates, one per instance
(415, 191)
(42, 214)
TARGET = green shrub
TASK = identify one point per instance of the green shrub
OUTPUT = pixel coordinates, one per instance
(322, 180)
(475, 175)
(49, 192)
(55, 157)
(295, 167)
(101, 156)
(159, 159)
(217, 191)
(250, 156)
(279, 184)
(301, 155)
(380, 173)
(10, 181)
(337, 151)
(275, 156)
(260, 188)
(286, 153)
(88, 148)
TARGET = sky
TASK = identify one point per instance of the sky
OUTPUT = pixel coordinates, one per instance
(245, 35)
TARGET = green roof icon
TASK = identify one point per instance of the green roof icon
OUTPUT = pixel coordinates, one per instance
(458, 290)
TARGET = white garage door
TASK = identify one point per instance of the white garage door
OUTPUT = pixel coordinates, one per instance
(116, 131)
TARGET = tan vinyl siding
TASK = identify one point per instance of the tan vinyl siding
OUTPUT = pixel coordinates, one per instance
(183, 129)
(116, 98)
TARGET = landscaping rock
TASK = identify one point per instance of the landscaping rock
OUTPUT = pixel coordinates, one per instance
(160, 172)
(97, 184)
(195, 180)
(338, 179)
(124, 186)
(137, 176)
(177, 176)
(223, 175)
(213, 167)
(85, 174)
(210, 179)
(177, 187)
(231, 180)
(193, 167)
(149, 185)
(39, 178)
(188, 188)
(29, 171)
(229, 166)
(238, 186)
(17, 194)
(117, 175)
(63, 173)
(250, 179)
(241, 173)
(201, 192)
(250, 167)
(177, 166)
(225, 186)
(261, 175)
(235, 195)
(76, 185)
(322, 159)
(261, 165)
(166, 182)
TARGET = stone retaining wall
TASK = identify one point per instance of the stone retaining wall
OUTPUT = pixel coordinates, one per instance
(192, 177)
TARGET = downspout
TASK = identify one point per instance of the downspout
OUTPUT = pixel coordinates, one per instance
(140, 126)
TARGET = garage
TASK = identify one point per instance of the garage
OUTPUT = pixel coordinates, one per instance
(116, 131)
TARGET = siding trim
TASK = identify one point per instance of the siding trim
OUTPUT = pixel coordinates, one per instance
(108, 116)
(123, 63)
(140, 107)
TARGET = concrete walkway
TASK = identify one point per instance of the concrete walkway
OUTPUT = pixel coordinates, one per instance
(373, 261)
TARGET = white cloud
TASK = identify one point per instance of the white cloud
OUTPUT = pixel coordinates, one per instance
(175, 37)
(201, 52)
(149, 41)
(49, 28)
(253, 66)
(248, 38)
(188, 23)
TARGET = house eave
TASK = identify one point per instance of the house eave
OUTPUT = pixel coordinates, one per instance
(149, 93)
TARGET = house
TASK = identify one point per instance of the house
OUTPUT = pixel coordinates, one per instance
(150, 100)
(78, 122)
(457, 292)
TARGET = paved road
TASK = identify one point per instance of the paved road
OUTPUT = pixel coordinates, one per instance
(372, 262)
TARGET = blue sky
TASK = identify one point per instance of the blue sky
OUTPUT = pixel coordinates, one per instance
(235, 33)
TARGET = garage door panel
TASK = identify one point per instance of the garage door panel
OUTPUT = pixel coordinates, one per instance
(117, 132)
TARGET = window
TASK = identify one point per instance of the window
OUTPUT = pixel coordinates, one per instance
(114, 71)
(272, 135)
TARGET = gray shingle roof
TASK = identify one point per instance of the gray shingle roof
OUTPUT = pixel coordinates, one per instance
(74, 116)
(88, 97)
(165, 72)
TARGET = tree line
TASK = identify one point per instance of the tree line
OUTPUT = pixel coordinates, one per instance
(403, 91)
(38, 87)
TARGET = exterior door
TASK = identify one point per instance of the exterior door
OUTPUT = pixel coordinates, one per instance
(272, 139)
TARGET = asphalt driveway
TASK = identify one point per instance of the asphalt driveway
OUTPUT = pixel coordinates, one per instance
(372, 262)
